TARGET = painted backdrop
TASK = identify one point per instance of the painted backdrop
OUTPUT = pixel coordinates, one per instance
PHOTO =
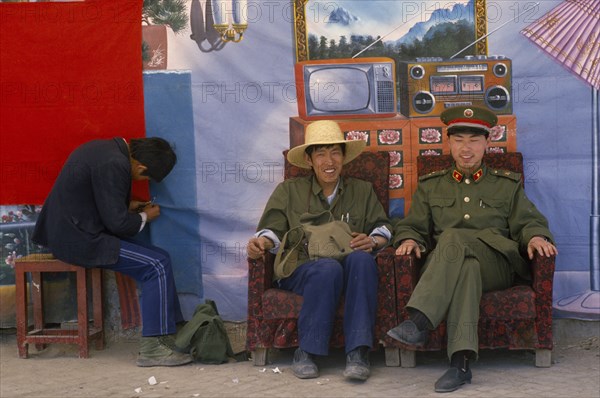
(240, 97)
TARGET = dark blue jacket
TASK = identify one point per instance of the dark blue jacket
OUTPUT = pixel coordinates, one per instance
(87, 211)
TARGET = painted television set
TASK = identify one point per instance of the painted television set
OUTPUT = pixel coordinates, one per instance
(346, 88)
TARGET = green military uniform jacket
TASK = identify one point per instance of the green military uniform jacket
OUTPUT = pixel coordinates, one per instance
(356, 201)
(492, 202)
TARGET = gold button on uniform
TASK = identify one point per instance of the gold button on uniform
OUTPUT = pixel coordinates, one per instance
(467, 181)
(467, 199)
(467, 216)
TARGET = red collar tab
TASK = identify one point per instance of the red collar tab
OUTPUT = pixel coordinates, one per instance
(457, 175)
(477, 175)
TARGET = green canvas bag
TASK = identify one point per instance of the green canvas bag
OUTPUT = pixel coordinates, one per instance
(321, 236)
(204, 336)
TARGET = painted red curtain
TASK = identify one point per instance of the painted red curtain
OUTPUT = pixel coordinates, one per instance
(69, 73)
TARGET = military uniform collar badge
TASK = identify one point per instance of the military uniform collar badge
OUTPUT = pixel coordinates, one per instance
(459, 177)
(477, 175)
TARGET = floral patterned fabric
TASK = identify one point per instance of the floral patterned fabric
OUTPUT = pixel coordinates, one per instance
(517, 318)
(273, 313)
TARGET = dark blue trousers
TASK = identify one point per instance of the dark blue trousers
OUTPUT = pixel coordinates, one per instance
(321, 283)
(150, 266)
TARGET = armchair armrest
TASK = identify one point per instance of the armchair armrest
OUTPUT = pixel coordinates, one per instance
(387, 313)
(260, 274)
(260, 278)
(542, 270)
(407, 275)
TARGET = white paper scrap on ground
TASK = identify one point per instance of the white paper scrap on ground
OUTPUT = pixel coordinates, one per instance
(152, 380)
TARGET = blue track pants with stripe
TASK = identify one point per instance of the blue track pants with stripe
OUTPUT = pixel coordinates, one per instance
(150, 266)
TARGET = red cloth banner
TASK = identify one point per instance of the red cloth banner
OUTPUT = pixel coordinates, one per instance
(69, 73)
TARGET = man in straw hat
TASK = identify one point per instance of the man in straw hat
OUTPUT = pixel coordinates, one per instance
(475, 221)
(322, 282)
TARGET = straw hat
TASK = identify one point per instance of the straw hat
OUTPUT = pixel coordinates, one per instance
(324, 132)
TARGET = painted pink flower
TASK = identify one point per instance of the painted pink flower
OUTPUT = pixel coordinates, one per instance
(395, 158)
(357, 135)
(430, 152)
(497, 133)
(396, 181)
(431, 135)
(10, 259)
(389, 137)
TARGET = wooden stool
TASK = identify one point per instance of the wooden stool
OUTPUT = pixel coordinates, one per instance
(36, 264)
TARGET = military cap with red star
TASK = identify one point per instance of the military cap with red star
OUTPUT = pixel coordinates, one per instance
(468, 119)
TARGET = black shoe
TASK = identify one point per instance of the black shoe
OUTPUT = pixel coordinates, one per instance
(452, 379)
(357, 364)
(408, 333)
(303, 366)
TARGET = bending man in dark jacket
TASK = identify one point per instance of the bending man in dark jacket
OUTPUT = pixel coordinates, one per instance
(88, 218)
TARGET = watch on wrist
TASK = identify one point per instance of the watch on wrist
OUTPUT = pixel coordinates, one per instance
(375, 243)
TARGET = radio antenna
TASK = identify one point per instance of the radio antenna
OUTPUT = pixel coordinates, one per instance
(499, 27)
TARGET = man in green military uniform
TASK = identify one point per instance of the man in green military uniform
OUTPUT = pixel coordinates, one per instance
(476, 222)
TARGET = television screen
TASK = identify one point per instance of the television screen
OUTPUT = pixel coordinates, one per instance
(346, 88)
(340, 89)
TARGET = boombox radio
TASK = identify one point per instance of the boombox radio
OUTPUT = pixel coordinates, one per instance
(428, 86)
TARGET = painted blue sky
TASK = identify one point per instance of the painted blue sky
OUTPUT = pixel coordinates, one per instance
(375, 17)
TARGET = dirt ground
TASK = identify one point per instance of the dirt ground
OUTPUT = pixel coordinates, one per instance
(57, 372)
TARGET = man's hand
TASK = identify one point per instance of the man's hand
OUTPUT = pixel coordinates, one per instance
(542, 246)
(407, 247)
(361, 242)
(135, 206)
(257, 247)
(152, 212)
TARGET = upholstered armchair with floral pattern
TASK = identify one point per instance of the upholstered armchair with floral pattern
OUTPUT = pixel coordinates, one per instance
(273, 312)
(516, 318)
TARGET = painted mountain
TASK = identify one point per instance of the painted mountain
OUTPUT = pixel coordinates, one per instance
(443, 17)
(341, 16)
(351, 28)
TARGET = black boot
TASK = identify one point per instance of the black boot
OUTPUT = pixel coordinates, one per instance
(458, 374)
(357, 364)
(303, 365)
